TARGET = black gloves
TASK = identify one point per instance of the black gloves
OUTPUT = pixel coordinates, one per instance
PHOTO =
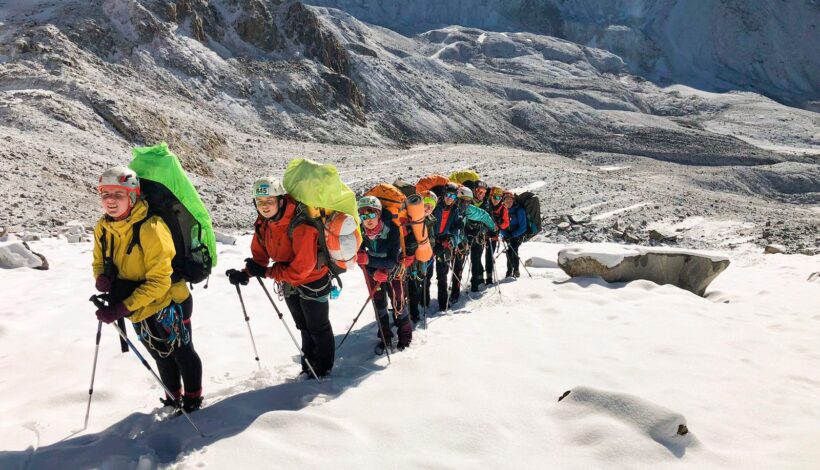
(254, 269)
(237, 277)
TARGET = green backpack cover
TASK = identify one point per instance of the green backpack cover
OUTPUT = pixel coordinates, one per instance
(318, 186)
(171, 195)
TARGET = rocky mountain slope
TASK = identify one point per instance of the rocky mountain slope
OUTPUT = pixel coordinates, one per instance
(767, 46)
(235, 85)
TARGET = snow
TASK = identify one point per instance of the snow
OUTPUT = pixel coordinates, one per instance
(611, 254)
(478, 388)
(621, 210)
(530, 187)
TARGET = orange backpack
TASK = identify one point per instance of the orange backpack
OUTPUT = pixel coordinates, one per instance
(395, 201)
(432, 181)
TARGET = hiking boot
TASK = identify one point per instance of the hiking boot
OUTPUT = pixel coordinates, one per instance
(191, 404)
(405, 334)
(509, 273)
(454, 297)
(516, 273)
(488, 281)
(169, 402)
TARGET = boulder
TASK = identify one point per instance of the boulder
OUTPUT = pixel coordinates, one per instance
(689, 270)
(15, 254)
(774, 249)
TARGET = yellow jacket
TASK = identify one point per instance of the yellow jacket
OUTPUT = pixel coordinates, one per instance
(149, 261)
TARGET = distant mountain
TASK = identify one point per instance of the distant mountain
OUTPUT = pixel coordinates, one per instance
(766, 46)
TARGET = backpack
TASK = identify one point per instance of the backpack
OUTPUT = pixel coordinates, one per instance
(434, 182)
(329, 205)
(406, 188)
(394, 201)
(463, 176)
(339, 237)
(171, 196)
(532, 206)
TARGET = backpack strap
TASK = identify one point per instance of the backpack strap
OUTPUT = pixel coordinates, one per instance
(135, 235)
(300, 217)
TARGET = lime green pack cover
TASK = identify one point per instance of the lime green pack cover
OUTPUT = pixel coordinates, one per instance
(464, 175)
(318, 185)
(159, 164)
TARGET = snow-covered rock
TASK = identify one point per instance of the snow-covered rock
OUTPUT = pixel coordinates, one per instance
(690, 270)
(224, 238)
(656, 422)
(13, 254)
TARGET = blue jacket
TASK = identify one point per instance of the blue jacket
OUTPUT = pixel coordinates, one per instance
(518, 222)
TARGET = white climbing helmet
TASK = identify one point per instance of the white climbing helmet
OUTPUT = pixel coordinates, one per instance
(268, 186)
(465, 193)
(369, 202)
(121, 177)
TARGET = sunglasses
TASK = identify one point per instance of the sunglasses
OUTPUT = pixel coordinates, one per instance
(450, 195)
(497, 198)
(368, 215)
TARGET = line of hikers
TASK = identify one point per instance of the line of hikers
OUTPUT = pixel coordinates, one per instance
(145, 252)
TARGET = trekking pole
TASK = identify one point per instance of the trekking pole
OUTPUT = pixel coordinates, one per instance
(424, 299)
(509, 247)
(248, 323)
(99, 303)
(93, 374)
(313, 372)
(156, 377)
(497, 283)
(369, 296)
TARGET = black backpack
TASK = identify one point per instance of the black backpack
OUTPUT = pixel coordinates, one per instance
(532, 206)
(192, 262)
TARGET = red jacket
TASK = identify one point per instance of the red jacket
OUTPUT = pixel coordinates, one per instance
(294, 261)
(501, 216)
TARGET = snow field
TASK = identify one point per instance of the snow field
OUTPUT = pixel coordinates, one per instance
(478, 388)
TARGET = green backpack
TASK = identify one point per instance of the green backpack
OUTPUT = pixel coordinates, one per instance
(171, 196)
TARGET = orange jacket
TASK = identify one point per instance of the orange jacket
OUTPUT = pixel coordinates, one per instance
(294, 261)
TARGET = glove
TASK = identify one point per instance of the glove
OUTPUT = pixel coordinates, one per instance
(380, 276)
(446, 245)
(103, 283)
(237, 277)
(253, 269)
(409, 260)
(362, 259)
(112, 313)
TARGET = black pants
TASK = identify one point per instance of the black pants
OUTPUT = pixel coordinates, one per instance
(183, 365)
(442, 274)
(513, 260)
(311, 318)
(418, 288)
(476, 268)
(459, 259)
(489, 260)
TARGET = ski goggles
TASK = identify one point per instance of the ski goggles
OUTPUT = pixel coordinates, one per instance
(367, 215)
(497, 198)
(450, 195)
(266, 200)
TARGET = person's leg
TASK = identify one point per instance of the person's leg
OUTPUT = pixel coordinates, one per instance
(442, 272)
(316, 314)
(166, 365)
(380, 304)
(308, 347)
(515, 243)
(428, 280)
(404, 329)
(414, 289)
(490, 260)
(476, 269)
(188, 361)
(458, 271)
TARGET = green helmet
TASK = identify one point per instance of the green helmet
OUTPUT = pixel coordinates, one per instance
(369, 202)
(268, 186)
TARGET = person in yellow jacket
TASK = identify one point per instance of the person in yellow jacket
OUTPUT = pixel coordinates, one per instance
(136, 275)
